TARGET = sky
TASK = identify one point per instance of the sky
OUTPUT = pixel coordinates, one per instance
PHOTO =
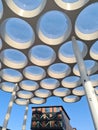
(78, 112)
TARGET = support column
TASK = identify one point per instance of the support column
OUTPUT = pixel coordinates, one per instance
(7, 116)
(89, 90)
(25, 116)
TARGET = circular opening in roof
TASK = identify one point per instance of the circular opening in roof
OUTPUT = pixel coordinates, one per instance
(21, 101)
(67, 55)
(94, 79)
(42, 55)
(37, 100)
(71, 98)
(13, 58)
(91, 65)
(11, 75)
(49, 83)
(26, 8)
(0, 44)
(70, 4)
(61, 92)
(24, 94)
(29, 85)
(34, 73)
(79, 91)
(94, 50)
(86, 25)
(1, 9)
(71, 82)
(43, 93)
(28, 4)
(17, 33)
(54, 27)
(8, 86)
(59, 70)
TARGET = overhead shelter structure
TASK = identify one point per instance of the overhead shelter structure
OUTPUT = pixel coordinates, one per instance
(49, 48)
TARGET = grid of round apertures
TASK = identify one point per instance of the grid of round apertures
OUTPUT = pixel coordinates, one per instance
(36, 51)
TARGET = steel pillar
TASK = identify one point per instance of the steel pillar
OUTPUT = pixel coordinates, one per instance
(89, 90)
(7, 116)
(25, 116)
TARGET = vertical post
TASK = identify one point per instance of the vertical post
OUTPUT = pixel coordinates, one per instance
(25, 116)
(7, 116)
(89, 90)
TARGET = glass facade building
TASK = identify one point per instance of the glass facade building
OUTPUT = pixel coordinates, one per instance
(50, 118)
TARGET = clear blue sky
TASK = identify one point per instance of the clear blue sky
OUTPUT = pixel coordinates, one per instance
(78, 112)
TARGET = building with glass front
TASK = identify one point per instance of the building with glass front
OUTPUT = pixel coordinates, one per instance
(50, 118)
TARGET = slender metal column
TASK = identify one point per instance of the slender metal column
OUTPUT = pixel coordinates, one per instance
(7, 116)
(25, 116)
(89, 90)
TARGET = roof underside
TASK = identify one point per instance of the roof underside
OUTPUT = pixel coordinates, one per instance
(41, 61)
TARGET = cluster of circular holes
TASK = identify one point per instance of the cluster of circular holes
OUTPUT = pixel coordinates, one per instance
(51, 33)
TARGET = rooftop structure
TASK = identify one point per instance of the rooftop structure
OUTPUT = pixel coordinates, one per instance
(50, 118)
(42, 47)
(1, 128)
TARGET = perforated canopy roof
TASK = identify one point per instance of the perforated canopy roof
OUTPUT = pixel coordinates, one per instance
(36, 51)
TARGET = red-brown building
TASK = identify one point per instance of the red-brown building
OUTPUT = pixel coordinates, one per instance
(50, 118)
